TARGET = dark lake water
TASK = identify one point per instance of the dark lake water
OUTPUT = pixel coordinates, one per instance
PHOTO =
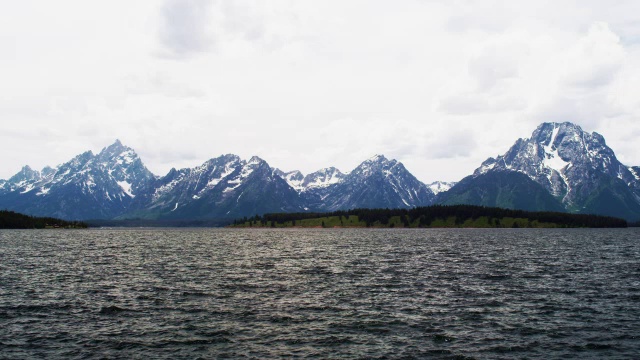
(325, 293)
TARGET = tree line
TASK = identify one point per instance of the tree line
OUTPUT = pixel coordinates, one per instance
(14, 220)
(424, 216)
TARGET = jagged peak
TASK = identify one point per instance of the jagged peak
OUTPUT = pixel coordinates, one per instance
(440, 186)
(229, 157)
(47, 170)
(552, 134)
(26, 173)
(295, 175)
(255, 160)
(561, 125)
(114, 149)
(117, 145)
(379, 162)
(327, 170)
(377, 158)
(226, 158)
(84, 156)
(547, 132)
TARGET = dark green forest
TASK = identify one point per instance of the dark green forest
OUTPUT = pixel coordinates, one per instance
(432, 216)
(14, 220)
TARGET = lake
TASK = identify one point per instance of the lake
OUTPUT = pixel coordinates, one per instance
(320, 293)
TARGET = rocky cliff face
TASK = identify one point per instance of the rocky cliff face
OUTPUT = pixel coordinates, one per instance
(225, 187)
(576, 167)
(376, 183)
(560, 167)
(87, 187)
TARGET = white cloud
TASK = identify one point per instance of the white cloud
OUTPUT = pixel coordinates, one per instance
(185, 27)
(439, 85)
(595, 60)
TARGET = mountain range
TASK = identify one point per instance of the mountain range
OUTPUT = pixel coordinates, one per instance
(559, 168)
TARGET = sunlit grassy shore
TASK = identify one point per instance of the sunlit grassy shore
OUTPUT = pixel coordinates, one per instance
(458, 216)
(396, 222)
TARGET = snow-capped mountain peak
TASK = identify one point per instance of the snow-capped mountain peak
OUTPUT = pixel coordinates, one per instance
(26, 174)
(322, 178)
(567, 161)
(376, 182)
(294, 178)
(440, 186)
(87, 186)
(316, 180)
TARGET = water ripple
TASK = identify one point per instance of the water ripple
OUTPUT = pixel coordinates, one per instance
(332, 293)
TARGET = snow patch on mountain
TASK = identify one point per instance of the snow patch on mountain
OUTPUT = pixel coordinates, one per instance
(165, 188)
(322, 178)
(43, 191)
(440, 186)
(569, 163)
(236, 183)
(27, 188)
(486, 166)
(126, 187)
(317, 180)
(294, 178)
(552, 159)
(228, 169)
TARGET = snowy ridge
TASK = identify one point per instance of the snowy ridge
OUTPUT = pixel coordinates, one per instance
(317, 180)
(98, 186)
(322, 178)
(567, 162)
(552, 159)
(375, 183)
(117, 180)
(294, 178)
(191, 184)
(572, 165)
(126, 187)
(440, 186)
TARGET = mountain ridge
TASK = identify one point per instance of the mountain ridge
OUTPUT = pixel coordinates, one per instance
(559, 168)
(575, 167)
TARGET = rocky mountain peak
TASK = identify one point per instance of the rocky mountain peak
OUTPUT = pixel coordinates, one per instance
(293, 178)
(25, 174)
(440, 186)
(568, 162)
(48, 171)
(374, 165)
(117, 153)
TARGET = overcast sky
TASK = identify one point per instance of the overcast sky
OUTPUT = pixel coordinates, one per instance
(438, 85)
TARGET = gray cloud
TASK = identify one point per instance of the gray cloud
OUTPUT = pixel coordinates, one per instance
(279, 78)
(185, 27)
(494, 65)
(598, 77)
(244, 19)
(456, 143)
(589, 111)
(471, 103)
